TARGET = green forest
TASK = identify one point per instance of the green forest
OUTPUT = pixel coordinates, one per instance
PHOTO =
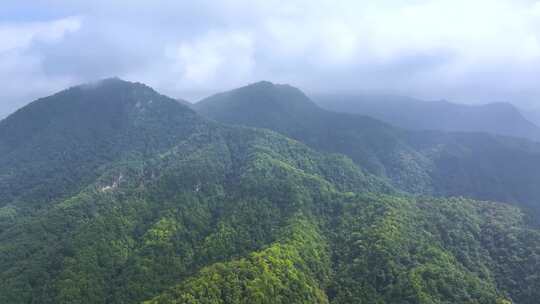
(148, 201)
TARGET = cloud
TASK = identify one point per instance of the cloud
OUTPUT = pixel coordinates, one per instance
(21, 74)
(216, 57)
(461, 49)
(19, 36)
(465, 50)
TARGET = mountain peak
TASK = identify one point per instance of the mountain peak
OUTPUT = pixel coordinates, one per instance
(92, 123)
(260, 98)
(268, 85)
(262, 83)
(111, 83)
(110, 102)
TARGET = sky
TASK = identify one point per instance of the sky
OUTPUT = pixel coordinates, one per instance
(470, 51)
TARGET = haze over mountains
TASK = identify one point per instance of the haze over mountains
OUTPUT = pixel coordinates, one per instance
(496, 118)
(114, 193)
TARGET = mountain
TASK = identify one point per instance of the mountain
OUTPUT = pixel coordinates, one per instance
(56, 145)
(175, 208)
(102, 170)
(287, 110)
(531, 113)
(475, 165)
(495, 118)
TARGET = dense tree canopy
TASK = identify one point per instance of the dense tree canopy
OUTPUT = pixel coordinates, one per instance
(474, 165)
(211, 213)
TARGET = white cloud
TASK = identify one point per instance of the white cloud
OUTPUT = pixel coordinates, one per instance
(479, 29)
(430, 48)
(21, 35)
(469, 44)
(217, 57)
(21, 73)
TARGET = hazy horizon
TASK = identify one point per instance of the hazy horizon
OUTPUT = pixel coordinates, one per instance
(462, 51)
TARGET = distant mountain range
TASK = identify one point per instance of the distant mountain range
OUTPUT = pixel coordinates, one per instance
(113, 193)
(495, 118)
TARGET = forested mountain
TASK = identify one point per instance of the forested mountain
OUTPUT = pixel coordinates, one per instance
(409, 113)
(163, 206)
(475, 165)
(56, 145)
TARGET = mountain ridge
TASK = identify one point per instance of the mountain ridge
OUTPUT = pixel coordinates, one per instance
(74, 132)
(500, 118)
(195, 211)
(420, 162)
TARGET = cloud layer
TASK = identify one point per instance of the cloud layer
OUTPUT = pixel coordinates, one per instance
(470, 51)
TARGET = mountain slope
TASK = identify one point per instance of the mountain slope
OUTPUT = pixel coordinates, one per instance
(199, 181)
(409, 113)
(227, 214)
(285, 109)
(55, 145)
(421, 162)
